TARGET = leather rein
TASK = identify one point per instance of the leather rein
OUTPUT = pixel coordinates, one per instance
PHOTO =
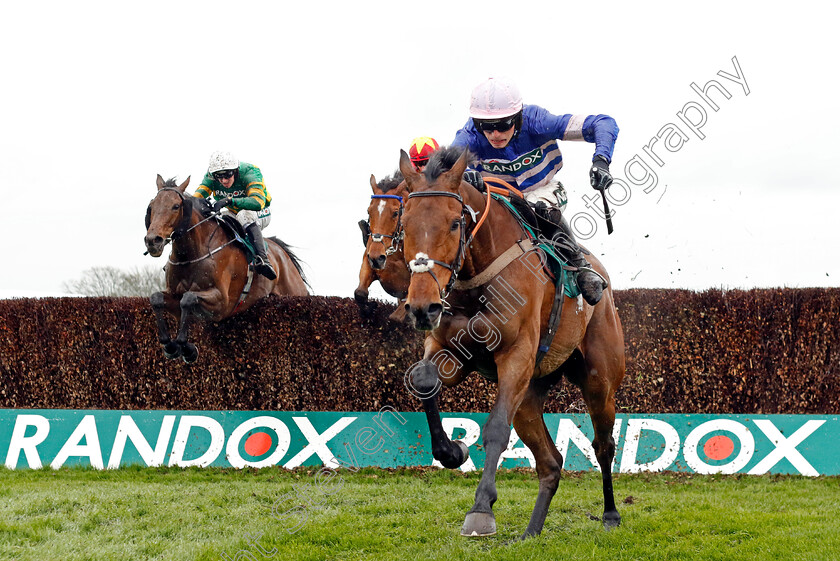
(183, 227)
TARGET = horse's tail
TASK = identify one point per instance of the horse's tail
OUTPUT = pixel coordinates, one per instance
(295, 259)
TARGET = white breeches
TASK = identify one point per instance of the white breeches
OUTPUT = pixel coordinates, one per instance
(248, 217)
(553, 194)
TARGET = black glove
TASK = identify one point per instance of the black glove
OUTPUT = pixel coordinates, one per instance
(599, 173)
(221, 203)
(474, 178)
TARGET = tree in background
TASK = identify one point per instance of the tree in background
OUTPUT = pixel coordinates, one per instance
(111, 281)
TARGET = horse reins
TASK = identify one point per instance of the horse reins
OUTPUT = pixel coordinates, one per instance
(424, 264)
(397, 236)
(183, 227)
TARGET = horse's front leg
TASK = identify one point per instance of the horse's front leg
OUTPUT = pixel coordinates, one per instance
(366, 278)
(424, 382)
(515, 367)
(195, 304)
(163, 303)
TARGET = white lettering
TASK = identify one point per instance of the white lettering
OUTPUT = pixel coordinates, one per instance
(27, 444)
(91, 449)
(128, 429)
(317, 443)
(217, 441)
(786, 447)
(284, 439)
(631, 446)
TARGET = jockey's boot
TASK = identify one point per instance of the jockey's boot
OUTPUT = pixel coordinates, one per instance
(590, 283)
(261, 263)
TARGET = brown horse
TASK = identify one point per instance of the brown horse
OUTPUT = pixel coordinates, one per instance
(383, 259)
(494, 325)
(207, 275)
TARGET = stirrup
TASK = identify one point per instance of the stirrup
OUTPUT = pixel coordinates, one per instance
(263, 267)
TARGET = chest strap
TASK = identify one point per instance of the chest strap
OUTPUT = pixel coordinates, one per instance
(513, 252)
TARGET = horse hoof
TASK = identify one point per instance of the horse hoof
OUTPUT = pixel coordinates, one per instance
(611, 520)
(478, 525)
(189, 353)
(465, 451)
(172, 350)
(361, 297)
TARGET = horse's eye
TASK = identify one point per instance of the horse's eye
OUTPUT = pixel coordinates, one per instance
(455, 225)
(396, 213)
(176, 206)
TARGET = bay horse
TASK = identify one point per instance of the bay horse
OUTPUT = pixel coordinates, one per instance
(383, 259)
(456, 296)
(207, 275)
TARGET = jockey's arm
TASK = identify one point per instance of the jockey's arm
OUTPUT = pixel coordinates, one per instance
(254, 198)
(204, 190)
(599, 129)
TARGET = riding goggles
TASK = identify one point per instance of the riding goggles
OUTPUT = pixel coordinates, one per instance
(501, 125)
(224, 174)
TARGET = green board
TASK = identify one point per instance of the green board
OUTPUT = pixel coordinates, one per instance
(752, 444)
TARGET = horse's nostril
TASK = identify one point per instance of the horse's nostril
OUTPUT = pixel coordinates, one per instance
(434, 311)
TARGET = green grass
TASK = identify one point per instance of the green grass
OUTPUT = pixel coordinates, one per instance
(196, 514)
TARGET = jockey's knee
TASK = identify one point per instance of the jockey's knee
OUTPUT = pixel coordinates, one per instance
(246, 217)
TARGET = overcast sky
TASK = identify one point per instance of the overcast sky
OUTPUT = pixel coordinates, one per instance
(100, 97)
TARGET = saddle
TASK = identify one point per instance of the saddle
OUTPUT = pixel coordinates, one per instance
(237, 231)
(549, 237)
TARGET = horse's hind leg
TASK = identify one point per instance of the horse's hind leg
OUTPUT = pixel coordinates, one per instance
(161, 303)
(530, 427)
(598, 387)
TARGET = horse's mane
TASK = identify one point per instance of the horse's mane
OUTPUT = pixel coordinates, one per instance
(200, 203)
(295, 259)
(390, 181)
(442, 161)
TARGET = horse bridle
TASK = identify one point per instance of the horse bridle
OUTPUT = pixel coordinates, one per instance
(397, 236)
(424, 264)
(183, 227)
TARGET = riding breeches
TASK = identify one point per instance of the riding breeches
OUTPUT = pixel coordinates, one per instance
(552, 194)
(248, 217)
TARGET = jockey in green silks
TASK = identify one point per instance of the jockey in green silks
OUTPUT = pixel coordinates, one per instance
(239, 190)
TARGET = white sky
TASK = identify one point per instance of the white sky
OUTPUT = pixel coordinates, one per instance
(99, 97)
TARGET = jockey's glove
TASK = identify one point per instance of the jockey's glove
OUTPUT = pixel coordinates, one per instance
(221, 203)
(599, 173)
(474, 178)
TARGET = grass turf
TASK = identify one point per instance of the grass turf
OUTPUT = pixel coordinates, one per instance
(138, 513)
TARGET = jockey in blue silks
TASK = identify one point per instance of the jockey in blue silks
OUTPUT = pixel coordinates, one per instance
(518, 143)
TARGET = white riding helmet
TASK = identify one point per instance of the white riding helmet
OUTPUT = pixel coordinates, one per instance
(220, 161)
(495, 98)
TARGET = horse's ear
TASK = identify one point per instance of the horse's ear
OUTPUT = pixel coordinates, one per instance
(410, 174)
(183, 186)
(373, 185)
(454, 175)
(160, 182)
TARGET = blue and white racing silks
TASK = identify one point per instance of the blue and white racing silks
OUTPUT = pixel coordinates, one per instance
(533, 156)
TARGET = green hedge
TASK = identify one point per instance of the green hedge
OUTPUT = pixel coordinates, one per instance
(756, 351)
